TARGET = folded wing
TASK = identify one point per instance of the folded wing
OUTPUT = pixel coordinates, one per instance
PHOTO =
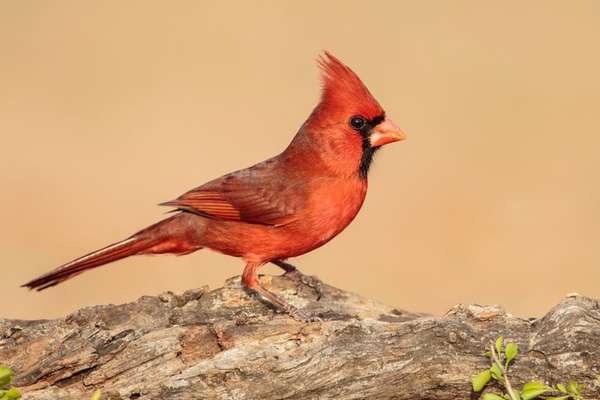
(261, 195)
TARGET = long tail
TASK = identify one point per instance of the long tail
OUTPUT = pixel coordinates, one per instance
(163, 237)
(114, 252)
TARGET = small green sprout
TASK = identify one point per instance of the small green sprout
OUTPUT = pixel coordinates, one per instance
(7, 392)
(501, 354)
(572, 391)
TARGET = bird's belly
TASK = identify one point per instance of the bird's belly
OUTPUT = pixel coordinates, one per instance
(326, 218)
(324, 226)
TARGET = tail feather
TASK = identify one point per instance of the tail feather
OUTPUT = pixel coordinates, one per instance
(114, 252)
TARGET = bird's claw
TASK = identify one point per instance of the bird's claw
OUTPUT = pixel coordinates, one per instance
(301, 315)
(308, 280)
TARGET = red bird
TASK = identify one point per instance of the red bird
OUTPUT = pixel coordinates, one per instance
(283, 207)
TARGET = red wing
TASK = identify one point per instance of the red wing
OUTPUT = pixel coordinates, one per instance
(256, 195)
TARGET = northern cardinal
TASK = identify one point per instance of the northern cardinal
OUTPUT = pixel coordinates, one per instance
(283, 207)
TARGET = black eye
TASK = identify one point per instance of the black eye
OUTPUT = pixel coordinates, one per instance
(357, 122)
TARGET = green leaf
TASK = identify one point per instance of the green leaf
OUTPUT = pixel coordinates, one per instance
(6, 375)
(96, 395)
(561, 388)
(496, 372)
(574, 388)
(535, 386)
(11, 394)
(511, 352)
(499, 345)
(517, 394)
(492, 396)
(531, 390)
(480, 380)
(558, 398)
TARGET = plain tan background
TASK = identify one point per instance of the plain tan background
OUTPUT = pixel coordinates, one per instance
(108, 108)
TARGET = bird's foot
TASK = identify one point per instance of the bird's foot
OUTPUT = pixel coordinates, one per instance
(283, 305)
(308, 280)
(300, 314)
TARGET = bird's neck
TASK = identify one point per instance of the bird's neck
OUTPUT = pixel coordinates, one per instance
(326, 152)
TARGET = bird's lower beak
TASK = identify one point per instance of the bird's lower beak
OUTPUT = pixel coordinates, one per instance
(386, 132)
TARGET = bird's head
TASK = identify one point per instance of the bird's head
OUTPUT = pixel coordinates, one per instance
(348, 121)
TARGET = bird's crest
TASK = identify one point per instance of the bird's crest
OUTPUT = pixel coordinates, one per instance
(343, 91)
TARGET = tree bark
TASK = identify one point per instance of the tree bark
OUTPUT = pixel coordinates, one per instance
(226, 344)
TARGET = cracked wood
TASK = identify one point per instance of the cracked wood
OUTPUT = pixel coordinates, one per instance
(225, 344)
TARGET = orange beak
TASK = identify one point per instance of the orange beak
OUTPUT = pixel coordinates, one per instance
(386, 132)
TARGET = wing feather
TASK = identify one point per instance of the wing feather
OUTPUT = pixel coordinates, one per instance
(260, 194)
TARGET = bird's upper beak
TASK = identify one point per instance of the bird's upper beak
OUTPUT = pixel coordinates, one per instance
(385, 132)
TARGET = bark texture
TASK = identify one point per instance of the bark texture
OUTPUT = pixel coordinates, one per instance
(225, 344)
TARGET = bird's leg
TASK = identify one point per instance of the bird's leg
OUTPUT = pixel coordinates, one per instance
(294, 273)
(251, 281)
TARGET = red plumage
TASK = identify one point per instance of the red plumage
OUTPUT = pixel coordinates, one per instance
(282, 207)
(342, 91)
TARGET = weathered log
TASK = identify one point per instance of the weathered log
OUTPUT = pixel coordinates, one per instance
(225, 344)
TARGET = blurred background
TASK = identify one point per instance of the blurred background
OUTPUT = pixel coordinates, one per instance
(108, 108)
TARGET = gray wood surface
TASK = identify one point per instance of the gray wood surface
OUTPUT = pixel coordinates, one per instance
(225, 344)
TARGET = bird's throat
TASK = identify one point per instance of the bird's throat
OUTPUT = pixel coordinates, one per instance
(367, 158)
